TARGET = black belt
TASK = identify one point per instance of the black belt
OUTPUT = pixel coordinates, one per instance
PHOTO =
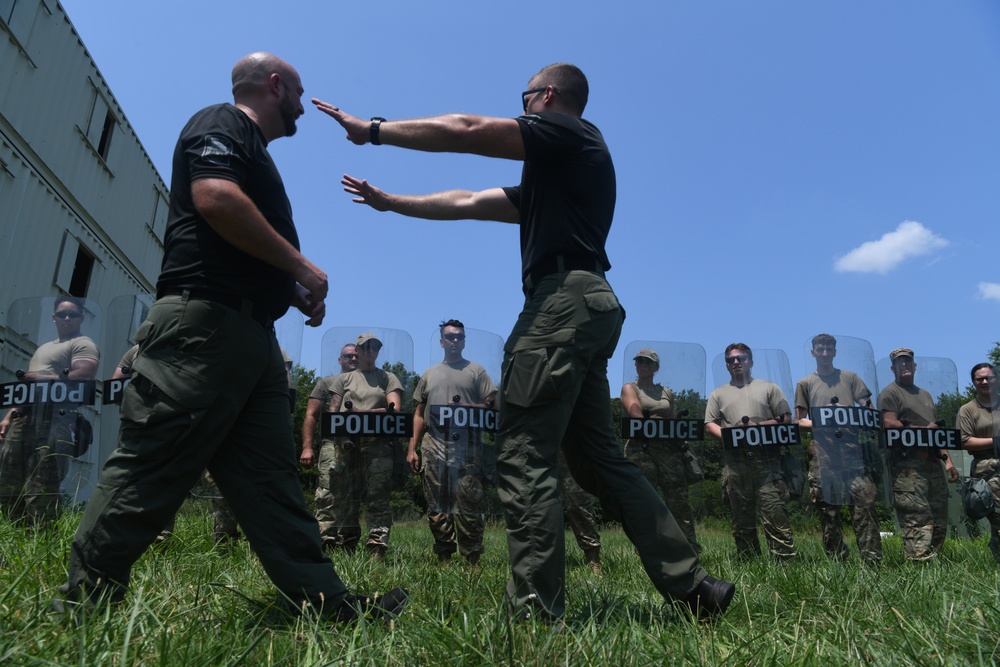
(240, 304)
(560, 264)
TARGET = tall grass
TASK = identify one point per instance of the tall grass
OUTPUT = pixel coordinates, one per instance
(193, 603)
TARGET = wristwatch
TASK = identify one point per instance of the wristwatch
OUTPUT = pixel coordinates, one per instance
(373, 132)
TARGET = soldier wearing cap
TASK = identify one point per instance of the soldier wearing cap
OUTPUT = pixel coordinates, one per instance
(752, 478)
(820, 389)
(361, 468)
(920, 494)
(661, 462)
(319, 402)
(977, 424)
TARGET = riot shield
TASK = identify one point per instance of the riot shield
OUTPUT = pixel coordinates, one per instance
(457, 447)
(845, 453)
(778, 444)
(663, 394)
(51, 363)
(288, 331)
(365, 438)
(121, 322)
(915, 445)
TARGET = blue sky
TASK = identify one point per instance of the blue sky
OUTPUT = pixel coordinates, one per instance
(784, 168)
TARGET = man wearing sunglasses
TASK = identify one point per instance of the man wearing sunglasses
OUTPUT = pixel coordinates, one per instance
(38, 440)
(752, 478)
(555, 390)
(452, 446)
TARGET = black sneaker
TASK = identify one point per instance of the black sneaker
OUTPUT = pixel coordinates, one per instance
(386, 606)
(711, 597)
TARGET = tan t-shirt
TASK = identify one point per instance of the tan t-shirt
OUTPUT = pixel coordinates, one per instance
(441, 383)
(759, 400)
(976, 421)
(366, 390)
(817, 390)
(912, 405)
(659, 401)
(55, 356)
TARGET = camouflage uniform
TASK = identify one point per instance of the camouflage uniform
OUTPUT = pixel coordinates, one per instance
(357, 469)
(815, 391)
(452, 459)
(662, 463)
(919, 486)
(752, 479)
(975, 420)
(40, 442)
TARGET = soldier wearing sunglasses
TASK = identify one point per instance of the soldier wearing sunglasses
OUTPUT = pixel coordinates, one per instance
(37, 440)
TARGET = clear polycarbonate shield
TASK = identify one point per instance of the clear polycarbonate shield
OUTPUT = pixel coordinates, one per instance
(369, 431)
(767, 396)
(846, 462)
(938, 376)
(663, 395)
(457, 393)
(288, 330)
(51, 364)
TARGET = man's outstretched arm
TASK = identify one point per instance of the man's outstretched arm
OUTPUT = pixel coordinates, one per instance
(491, 204)
(451, 133)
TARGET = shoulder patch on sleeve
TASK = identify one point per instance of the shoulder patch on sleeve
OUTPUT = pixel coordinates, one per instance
(217, 149)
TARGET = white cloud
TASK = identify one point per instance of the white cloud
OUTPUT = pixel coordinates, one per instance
(910, 239)
(989, 291)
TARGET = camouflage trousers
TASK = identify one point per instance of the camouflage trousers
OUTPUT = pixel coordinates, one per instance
(920, 497)
(752, 483)
(579, 508)
(454, 492)
(350, 473)
(989, 469)
(663, 465)
(863, 495)
(34, 460)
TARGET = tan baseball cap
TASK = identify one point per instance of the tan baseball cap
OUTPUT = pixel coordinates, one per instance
(365, 337)
(648, 353)
(900, 352)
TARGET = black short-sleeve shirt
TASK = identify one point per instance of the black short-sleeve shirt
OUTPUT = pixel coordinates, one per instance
(222, 142)
(566, 198)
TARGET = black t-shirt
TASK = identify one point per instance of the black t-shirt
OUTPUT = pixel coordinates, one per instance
(222, 142)
(566, 198)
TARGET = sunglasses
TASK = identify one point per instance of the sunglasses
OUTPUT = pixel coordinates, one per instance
(742, 358)
(454, 337)
(67, 315)
(526, 95)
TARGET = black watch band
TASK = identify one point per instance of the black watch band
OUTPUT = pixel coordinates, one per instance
(373, 131)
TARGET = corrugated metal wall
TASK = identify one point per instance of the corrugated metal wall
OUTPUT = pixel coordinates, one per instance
(57, 193)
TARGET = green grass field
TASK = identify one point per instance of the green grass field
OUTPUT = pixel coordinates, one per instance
(192, 603)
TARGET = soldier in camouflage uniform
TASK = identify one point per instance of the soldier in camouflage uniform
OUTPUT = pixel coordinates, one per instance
(662, 463)
(817, 390)
(751, 479)
(36, 440)
(919, 489)
(361, 468)
(319, 402)
(976, 422)
(452, 457)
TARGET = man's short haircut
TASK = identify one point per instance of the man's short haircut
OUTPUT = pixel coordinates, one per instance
(254, 70)
(742, 347)
(824, 339)
(977, 367)
(345, 346)
(570, 81)
(76, 301)
(451, 323)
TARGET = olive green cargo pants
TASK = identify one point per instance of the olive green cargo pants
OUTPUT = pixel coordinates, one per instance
(555, 394)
